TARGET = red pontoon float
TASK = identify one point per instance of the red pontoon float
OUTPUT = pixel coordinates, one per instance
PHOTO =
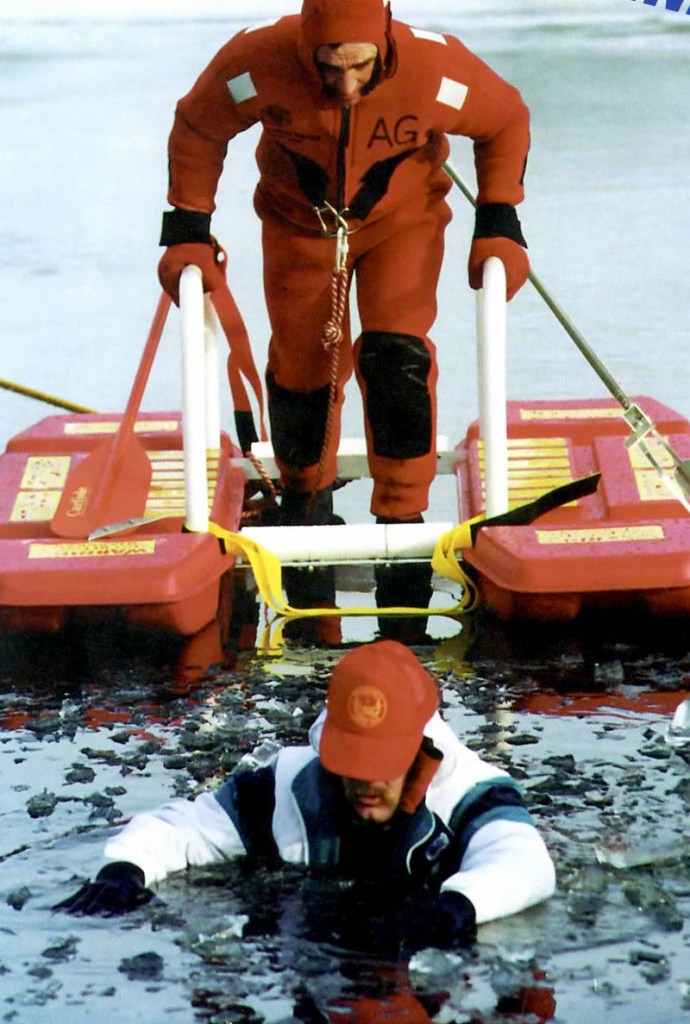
(627, 545)
(157, 575)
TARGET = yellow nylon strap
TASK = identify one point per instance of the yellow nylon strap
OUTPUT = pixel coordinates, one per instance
(269, 575)
(444, 560)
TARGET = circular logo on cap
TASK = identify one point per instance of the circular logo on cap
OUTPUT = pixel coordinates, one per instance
(367, 706)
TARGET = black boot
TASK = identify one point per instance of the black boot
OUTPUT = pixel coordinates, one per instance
(407, 585)
(304, 508)
(312, 587)
(309, 587)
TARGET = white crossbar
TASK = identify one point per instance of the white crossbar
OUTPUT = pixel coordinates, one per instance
(358, 542)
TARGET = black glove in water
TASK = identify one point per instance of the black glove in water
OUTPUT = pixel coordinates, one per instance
(118, 888)
(445, 921)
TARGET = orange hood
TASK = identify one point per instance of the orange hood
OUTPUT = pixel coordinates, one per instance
(346, 21)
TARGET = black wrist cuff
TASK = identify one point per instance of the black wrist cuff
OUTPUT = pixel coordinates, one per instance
(185, 226)
(498, 220)
(121, 869)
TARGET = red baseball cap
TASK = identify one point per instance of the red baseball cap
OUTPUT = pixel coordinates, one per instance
(379, 700)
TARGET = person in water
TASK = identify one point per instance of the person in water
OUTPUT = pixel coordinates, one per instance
(384, 791)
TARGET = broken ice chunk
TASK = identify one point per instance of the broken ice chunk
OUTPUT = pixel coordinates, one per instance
(649, 897)
(678, 732)
(619, 852)
(586, 894)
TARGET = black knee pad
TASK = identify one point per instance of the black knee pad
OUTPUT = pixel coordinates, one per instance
(298, 423)
(395, 369)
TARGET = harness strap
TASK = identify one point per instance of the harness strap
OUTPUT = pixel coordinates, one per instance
(268, 575)
(240, 359)
(444, 559)
(267, 569)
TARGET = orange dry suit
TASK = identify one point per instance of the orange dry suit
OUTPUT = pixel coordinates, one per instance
(378, 164)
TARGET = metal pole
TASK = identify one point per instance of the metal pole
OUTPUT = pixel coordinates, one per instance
(641, 426)
(564, 320)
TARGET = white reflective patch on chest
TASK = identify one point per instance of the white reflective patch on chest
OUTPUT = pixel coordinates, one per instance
(241, 88)
(453, 94)
(433, 37)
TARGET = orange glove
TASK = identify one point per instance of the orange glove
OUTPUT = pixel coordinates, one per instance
(187, 237)
(497, 233)
(512, 255)
(207, 257)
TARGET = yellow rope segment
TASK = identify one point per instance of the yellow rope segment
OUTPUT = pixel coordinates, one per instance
(42, 396)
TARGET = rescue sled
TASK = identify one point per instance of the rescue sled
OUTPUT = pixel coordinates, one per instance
(155, 548)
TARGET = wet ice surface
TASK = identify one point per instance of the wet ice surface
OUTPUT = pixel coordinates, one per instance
(582, 723)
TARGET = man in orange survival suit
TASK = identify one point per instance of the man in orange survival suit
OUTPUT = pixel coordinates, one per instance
(354, 109)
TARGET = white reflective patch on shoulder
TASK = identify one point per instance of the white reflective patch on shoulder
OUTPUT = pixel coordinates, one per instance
(453, 94)
(241, 88)
(433, 37)
(262, 24)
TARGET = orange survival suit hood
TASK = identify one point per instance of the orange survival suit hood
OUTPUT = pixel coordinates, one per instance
(325, 22)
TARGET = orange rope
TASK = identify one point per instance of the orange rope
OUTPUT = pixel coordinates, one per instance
(332, 337)
(254, 508)
(261, 470)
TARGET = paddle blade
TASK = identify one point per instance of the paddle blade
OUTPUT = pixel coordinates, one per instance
(105, 487)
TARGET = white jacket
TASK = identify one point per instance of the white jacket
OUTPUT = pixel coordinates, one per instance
(472, 827)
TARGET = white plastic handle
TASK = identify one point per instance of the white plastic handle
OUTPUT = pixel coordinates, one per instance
(491, 372)
(194, 399)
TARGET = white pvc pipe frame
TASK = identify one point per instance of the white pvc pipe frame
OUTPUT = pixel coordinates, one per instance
(200, 394)
(491, 379)
(201, 432)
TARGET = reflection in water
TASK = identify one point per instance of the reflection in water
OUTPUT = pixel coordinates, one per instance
(95, 648)
(338, 944)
